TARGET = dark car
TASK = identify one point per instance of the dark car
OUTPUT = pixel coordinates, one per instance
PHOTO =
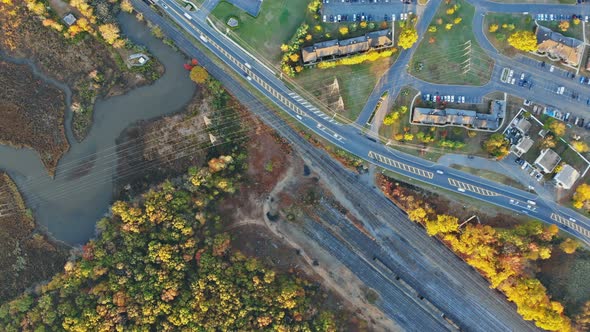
(581, 123)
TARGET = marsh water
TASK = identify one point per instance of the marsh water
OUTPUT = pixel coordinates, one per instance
(70, 204)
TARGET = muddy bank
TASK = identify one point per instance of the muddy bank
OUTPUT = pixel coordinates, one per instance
(27, 256)
(32, 113)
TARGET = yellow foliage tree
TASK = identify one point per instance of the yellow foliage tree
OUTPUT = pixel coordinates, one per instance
(523, 40)
(126, 6)
(451, 11)
(294, 57)
(493, 28)
(199, 75)
(363, 24)
(37, 8)
(448, 26)
(580, 146)
(110, 32)
(564, 26)
(557, 127)
(443, 224)
(576, 21)
(457, 20)
(569, 246)
(407, 37)
(581, 197)
(343, 30)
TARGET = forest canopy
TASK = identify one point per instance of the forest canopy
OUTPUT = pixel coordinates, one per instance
(161, 263)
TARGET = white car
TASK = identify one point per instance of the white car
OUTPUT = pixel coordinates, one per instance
(440, 172)
(324, 20)
(461, 190)
(522, 76)
(552, 68)
(452, 99)
(463, 99)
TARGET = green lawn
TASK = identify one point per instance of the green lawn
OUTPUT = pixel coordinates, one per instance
(500, 38)
(431, 150)
(574, 31)
(356, 83)
(275, 24)
(442, 56)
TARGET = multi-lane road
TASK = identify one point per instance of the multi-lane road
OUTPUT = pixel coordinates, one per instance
(427, 266)
(349, 137)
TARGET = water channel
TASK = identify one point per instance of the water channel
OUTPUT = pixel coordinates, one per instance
(69, 205)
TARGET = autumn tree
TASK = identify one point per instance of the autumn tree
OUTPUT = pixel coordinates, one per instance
(457, 20)
(564, 26)
(581, 198)
(582, 320)
(432, 28)
(110, 32)
(407, 37)
(555, 126)
(391, 118)
(448, 26)
(199, 75)
(441, 225)
(576, 21)
(493, 27)
(126, 6)
(569, 245)
(343, 30)
(497, 145)
(580, 146)
(523, 40)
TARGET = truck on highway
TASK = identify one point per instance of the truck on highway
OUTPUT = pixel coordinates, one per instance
(187, 16)
(531, 202)
(247, 65)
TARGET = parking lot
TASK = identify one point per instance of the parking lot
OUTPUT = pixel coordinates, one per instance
(559, 17)
(448, 98)
(366, 10)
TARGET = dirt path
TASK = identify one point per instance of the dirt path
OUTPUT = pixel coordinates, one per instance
(334, 275)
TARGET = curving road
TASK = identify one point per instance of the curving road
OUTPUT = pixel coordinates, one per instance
(427, 266)
(350, 138)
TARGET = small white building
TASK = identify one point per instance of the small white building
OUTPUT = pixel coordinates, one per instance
(547, 160)
(566, 177)
(69, 19)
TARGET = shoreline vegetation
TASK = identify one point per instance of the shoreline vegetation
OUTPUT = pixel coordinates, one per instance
(32, 113)
(86, 62)
(27, 255)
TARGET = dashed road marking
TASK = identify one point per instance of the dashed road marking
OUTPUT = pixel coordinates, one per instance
(570, 224)
(394, 163)
(472, 188)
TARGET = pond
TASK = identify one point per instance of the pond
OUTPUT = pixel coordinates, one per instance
(69, 205)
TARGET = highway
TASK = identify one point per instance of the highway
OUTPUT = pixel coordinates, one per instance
(349, 137)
